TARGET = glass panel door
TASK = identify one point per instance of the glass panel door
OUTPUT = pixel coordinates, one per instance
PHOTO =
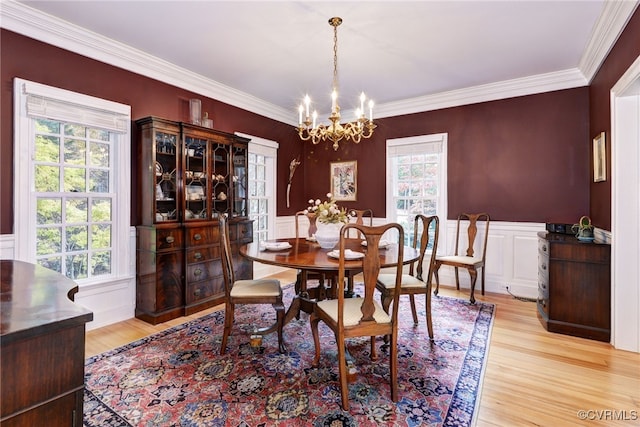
(221, 179)
(166, 177)
(196, 178)
(240, 195)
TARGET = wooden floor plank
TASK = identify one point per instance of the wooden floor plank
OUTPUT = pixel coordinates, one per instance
(533, 377)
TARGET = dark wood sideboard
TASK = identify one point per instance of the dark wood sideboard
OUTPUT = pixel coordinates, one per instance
(574, 286)
(43, 347)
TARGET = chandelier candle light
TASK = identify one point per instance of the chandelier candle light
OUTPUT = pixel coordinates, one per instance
(335, 132)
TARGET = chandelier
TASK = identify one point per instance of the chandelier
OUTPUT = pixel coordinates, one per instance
(335, 131)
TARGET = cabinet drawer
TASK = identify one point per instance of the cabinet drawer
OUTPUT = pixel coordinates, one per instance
(543, 302)
(168, 239)
(581, 252)
(204, 235)
(241, 232)
(543, 247)
(543, 284)
(204, 253)
(543, 267)
(161, 239)
(203, 271)
(205, 289)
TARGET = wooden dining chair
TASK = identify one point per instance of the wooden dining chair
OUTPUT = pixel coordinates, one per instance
(415, 282)
(471, 259)
(259, 291)
(358, 317)
(358, 216)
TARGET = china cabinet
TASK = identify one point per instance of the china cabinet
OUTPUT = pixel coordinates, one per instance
(189, 177)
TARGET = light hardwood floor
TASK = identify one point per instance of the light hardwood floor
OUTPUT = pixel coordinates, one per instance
(533, 377)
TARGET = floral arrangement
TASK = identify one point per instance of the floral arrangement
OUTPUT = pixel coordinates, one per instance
(328, 211)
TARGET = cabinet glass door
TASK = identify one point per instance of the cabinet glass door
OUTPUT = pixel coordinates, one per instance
(221, 179)
(240, 180)
(166, 165)
(196, 178)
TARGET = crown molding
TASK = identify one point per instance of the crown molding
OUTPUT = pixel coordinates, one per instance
(610, 24)
(483, 93)
(49, 29)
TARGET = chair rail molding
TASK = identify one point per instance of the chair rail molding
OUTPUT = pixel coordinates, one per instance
(512, 255)
(110, 301)
(512, 258)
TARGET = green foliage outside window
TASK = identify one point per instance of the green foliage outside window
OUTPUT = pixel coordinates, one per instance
(74, 209)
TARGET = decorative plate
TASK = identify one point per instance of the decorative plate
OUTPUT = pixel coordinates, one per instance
(382, 244)
(159, 169)
(348, 254)
(276, 246)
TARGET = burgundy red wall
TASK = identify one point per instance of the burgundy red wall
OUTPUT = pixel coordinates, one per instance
(520, 159)
(620, 58)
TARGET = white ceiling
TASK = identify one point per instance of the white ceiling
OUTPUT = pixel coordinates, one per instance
(394, 51)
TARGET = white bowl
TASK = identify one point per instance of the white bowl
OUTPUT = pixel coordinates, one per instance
(327, 241)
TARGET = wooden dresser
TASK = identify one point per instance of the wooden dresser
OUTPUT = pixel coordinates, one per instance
(574, 286)
(42, 343)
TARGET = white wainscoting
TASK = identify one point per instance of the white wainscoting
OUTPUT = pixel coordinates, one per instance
(512, 256)
(110, 302)
(512, 260)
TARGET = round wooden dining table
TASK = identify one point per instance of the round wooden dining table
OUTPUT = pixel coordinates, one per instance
(307, 255)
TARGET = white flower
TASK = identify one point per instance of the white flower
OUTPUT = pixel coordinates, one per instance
(327, 212)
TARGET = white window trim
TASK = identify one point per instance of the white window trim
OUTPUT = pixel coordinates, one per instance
(24, 201)
(269, 149)
(438, 143)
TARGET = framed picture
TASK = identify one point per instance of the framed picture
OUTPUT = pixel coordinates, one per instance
(599, 159)
(343, 176)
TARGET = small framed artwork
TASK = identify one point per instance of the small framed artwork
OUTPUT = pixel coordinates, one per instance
(599, 159)
(343, 177)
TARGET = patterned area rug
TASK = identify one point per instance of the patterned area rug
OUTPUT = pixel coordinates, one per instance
(178, 378)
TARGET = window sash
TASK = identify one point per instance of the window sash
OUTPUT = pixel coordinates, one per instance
(33, 101)
(427, 145)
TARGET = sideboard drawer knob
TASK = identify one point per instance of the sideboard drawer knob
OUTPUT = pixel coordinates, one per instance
(170, 239)
(198, 272)
(197, 236)
(197, 255)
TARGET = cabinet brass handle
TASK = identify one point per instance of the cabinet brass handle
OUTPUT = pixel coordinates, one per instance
(169, 239)
(197, 236)
(197, 272)
(197, 255)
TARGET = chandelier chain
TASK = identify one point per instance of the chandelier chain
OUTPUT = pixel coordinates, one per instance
(335, 55)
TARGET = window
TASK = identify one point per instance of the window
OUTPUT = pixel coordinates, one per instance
(71, 198)
(417, 168)
(262, 205)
